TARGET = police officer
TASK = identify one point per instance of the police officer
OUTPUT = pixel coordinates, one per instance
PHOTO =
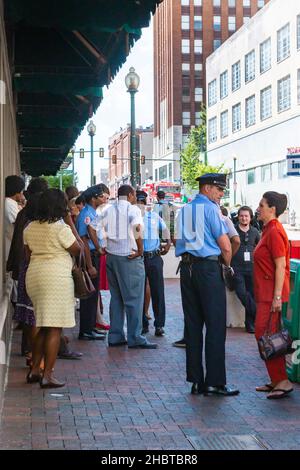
(153, 225)
(201, 240)
(88, 307)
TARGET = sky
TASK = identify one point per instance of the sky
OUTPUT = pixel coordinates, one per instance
(114, 110)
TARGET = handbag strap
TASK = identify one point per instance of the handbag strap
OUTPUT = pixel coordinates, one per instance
(279, 324)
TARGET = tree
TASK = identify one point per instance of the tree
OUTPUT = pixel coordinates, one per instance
(67, 180)
(193, 157)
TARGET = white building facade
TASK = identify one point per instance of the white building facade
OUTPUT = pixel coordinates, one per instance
(253, 104)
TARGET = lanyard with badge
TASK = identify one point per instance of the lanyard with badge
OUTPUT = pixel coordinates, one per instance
(247, 255)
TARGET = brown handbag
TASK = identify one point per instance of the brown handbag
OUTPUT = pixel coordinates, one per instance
(277, 344)
(83, 285)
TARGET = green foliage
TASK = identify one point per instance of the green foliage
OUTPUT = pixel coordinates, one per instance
(67, 180)
(194, 155)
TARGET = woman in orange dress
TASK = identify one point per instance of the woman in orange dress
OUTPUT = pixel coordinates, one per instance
(271, 285)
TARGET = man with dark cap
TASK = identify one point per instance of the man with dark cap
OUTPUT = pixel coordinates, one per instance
(153, 225)
(201, 240)
(88, 307)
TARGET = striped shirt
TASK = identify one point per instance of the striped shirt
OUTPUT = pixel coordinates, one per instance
(115, 227)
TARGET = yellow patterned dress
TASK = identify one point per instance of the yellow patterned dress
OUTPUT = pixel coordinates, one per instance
(49, 280)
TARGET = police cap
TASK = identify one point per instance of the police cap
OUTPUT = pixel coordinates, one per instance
(161, 194)
(141, 196)
(217, 179)
(93, 191)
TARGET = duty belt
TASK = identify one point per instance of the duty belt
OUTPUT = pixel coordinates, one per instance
(188, 258)
(151, 254)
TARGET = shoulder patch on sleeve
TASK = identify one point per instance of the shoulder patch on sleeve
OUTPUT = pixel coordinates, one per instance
(87, 220)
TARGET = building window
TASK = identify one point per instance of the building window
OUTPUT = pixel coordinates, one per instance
(260, 3)
(185, 22)
(224, 124)
(250, 66)
(198, 23)
(163, 172)
(236, 118)
(198, 94)
(186, 118)
(265, 55)
(246, 19)
(185, 140)
(250, 111)
(231, 3)
(217, 23)
(284, 94)
(185, 3)
(266, 103)
(170, 171)
(298, 32)
(251, 176)
(217, 3)
(266, 173)
(246, 3)
(224, 85)
(212, 93)
(198, 3)
(198, 46)
(198, 120)
(212, 130)
(185, 70)
(198, 70)
(217, 43)
(231, 23)
(186, 95)
(283, 43)
(236, 76)
(185, 46)
(282, 169)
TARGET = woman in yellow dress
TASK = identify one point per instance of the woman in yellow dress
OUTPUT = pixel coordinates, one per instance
(49, 242)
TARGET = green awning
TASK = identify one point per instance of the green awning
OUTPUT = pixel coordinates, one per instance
(64, 53)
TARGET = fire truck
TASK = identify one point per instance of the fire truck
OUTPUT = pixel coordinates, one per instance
(172, 190)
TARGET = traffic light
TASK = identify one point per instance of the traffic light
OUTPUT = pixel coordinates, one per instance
(143, 159)
(81, 153)
(114, 159)
(101, 152)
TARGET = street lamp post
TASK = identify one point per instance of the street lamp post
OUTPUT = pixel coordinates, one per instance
(132, 81)
(92, 131)
(73, 150)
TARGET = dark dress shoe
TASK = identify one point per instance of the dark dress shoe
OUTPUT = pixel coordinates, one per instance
(70, 355)
(159, 331)
(223, 390)
(196, 389)
(143, 346)
(52, 383)
(91, 336)
(120, 343)
(33, 378)
(250, 329)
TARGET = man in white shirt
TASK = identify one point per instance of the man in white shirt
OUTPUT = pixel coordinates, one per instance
(119, 228)
(14, 187)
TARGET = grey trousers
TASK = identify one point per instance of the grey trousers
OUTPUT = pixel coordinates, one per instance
(126, 280)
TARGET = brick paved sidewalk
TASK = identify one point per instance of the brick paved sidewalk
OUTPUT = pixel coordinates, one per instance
(133, 399)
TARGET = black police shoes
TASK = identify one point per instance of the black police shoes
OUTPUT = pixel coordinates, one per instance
(223, 390)
(119, 343)
(91, 336)
(144, 346)
(197, 389)
(159, 331)
(181, 343)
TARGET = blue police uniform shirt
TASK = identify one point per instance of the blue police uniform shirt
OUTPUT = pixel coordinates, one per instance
(198, 227)
(87, 214)
(153, 224)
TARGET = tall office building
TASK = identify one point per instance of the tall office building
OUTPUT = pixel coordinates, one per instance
(186, 32)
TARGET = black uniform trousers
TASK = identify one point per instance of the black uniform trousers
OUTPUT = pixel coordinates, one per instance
(154, 273)
(204, 303)
(88, 307)
(243, 286)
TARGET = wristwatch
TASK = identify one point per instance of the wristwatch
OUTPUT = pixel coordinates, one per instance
(277, 297)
